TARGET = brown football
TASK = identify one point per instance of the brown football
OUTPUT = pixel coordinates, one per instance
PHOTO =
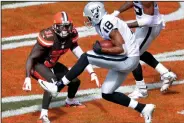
(106, 43)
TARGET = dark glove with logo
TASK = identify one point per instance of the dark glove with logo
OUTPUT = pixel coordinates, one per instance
(97, 48)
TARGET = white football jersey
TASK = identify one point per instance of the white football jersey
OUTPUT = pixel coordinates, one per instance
(110, 22)
(157, 17)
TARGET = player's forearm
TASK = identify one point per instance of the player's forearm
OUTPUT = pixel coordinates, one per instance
(113, 50)
(29, 65)
(125, 6)
(36, 52)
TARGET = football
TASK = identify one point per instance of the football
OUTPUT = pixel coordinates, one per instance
(106, 44)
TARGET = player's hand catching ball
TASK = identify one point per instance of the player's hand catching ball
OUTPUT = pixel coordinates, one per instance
(97, 48)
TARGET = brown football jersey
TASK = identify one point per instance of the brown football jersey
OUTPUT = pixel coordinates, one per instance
(54, 45)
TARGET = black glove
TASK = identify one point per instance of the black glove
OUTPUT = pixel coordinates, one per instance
(97, 48)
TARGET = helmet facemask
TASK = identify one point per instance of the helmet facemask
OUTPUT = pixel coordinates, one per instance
(88, 22)
(63, 30)
(62, 24)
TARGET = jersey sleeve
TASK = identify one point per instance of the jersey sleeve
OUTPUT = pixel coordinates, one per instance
(45, 39)
(109, 23)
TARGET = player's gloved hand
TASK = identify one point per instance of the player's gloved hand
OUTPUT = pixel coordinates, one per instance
(27, 84)
(95, 78)
(115, 13)
(97, 48)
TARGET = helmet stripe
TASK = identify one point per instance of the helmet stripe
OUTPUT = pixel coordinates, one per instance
(65, 17)
(62, 17)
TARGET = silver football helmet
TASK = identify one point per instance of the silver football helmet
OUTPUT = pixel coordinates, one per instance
(93, 12)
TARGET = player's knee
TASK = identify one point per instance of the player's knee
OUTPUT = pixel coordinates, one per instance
(76, 81)
(106, 89)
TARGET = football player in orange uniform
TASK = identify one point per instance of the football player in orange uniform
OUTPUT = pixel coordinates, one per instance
(42, 62)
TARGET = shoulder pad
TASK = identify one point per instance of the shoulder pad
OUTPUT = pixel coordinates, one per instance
(45, 38)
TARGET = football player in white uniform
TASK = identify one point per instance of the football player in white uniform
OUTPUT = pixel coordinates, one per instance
(149, 22)
(121, 59)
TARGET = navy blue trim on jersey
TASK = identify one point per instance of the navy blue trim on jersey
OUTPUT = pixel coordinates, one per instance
(108, 59)
(99, 25)
(146, 38)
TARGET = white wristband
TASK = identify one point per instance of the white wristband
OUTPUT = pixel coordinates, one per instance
(89, 68)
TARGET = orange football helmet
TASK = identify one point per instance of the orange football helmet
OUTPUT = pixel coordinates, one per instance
(63, 24)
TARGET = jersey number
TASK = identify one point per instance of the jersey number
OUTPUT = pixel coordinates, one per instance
(108, 26)
(138, 10)
(48, 33)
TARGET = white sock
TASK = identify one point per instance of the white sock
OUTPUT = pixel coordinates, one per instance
(133, 103)
(65, 80)
(44, 112)
(141, 84)
(161, 69)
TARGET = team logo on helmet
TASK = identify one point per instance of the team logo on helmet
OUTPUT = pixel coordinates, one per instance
(93, 13)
